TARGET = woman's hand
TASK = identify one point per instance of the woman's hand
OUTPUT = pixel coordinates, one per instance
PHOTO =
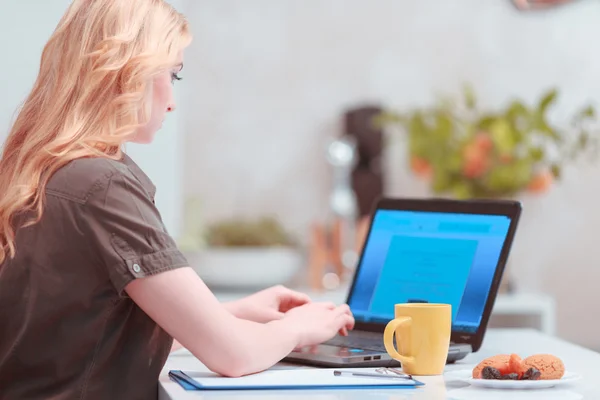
(268, 304)
(318, 322)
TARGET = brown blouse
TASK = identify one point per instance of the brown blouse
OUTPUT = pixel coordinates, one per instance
(68, 330)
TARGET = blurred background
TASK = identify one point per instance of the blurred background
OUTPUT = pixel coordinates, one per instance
(294, 116)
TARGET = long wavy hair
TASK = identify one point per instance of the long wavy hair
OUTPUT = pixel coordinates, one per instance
(91, 95)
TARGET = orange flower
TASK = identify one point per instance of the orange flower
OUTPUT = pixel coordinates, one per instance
(475, 167)
(476, 158)
(540, 182)
(483, 141)
(420, 167)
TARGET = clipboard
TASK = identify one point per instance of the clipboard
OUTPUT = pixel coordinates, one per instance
(288, 379)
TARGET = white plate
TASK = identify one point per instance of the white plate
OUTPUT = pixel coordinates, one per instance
(476, 393)
(467, 376)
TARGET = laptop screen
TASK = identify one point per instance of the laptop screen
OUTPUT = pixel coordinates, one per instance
(414, 256)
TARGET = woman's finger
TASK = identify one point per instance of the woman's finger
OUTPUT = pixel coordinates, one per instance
(289, 299)
(346, 321)
(344, 309)
(328, 305)
(298, 298)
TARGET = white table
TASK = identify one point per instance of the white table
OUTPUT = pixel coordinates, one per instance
(539, 309)
(521, 341)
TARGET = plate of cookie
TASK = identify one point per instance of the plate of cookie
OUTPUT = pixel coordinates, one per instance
(510, 371)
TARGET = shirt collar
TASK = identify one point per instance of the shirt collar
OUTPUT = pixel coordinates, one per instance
(140, 175)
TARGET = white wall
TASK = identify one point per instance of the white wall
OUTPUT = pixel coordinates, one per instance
(25, 26)
(266, 81)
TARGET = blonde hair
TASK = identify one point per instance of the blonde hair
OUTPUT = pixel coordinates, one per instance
(89, 98)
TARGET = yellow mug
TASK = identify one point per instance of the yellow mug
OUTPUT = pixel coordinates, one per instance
(422, 336)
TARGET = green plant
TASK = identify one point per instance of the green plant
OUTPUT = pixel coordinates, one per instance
(469, 153)
(263, 232)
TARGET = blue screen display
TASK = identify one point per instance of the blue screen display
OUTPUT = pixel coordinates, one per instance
(427, 256)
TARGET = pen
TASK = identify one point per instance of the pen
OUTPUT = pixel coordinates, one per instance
(369, 374)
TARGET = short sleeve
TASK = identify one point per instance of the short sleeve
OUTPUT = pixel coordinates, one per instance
(128, 232)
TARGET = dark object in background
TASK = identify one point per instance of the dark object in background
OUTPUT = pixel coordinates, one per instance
(367, 175)
(532, 5)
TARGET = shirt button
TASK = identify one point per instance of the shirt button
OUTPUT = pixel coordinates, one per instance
(136, 268)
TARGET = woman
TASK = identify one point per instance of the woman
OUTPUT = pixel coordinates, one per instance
(92, 288)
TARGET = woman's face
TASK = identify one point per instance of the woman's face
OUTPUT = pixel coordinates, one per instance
(162, 102)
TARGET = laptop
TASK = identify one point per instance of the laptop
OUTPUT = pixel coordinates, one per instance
(423, 250)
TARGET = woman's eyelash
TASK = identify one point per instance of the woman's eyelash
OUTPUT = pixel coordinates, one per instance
(174, 77)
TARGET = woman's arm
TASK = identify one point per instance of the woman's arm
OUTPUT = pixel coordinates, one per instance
(268, 304)
(171, 293)
(181, 304)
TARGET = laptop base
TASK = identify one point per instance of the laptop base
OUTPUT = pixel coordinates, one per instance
(325, 355)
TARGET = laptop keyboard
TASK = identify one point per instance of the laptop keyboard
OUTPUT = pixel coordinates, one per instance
(360, 340)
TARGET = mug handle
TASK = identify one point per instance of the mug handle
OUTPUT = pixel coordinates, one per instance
(388, 339)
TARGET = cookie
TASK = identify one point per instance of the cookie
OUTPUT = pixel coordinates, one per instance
(500, 362)
(550, 367)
